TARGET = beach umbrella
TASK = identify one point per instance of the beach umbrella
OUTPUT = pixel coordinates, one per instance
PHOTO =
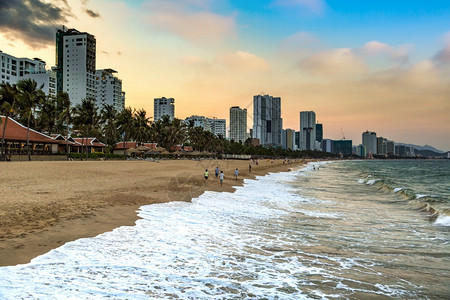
(153, 152)
(194, 153)
(164, 152)
(143, 148)
(206, 153)
(133, 150)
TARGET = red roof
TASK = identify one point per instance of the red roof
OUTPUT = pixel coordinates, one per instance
(89, 141)
(18, 133)
(120, 145)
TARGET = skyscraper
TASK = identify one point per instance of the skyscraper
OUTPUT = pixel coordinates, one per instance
(369, 141)
(319, 132)
(109, 89)
(164, 107)
(267, 121)
(217, 126)
(75, 64)
(307, 130)
(238, 124)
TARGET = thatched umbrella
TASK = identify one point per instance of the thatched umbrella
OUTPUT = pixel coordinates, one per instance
(143, 148)
(206, 153)
(153, 152)
(194, 153)
(133, 150)
(164, 152)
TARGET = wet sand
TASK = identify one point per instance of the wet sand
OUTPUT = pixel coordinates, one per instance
(46, 204)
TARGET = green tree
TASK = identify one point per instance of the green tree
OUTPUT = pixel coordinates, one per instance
(86, 121)
(109, 121)
(126, 126)
(30, 96)
(141, 132)
(8, 98)
(64, 116)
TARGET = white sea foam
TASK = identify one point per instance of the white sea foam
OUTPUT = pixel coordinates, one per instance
(397, 190)
(443, 221)
(183, 250)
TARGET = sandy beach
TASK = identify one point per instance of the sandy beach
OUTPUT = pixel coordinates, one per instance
(46, 204)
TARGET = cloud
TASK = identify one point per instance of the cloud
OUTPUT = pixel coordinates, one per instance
(314, 6)
(375, 48)
(244, 61)
(337, 63)
(91, 13)
(189, 19)
(32, 21)
(443, 56)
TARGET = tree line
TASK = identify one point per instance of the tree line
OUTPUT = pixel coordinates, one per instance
(28, 104)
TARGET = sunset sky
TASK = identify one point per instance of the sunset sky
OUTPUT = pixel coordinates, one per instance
(382, 66)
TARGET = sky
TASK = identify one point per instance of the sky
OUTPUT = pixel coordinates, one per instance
(381, 66)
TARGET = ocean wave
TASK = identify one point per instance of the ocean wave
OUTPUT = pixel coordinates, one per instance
(443, 221)
(417, 201)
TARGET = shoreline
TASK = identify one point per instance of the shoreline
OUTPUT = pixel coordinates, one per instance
(47, 204)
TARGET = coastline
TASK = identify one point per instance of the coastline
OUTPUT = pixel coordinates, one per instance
(46, 204)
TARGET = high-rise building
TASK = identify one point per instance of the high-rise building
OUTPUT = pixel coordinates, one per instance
(238, 124)
(14, 69)
(361, 151)
(290, 139)
(164, 107)
(267, 121)
(307, 130)
(390, 147)
(217, 126)
(297, 140)
(197, 121)
(343, 147)
(369, 141)
(109, 89)
(319, 132)
(75, 64)
(327, 145)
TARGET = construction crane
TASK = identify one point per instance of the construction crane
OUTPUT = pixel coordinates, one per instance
(343, 136)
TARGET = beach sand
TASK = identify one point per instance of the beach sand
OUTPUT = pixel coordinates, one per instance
(46, 204)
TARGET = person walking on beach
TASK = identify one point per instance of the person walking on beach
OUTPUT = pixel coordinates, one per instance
(221, 177)
(236, 173)
(206, 176)
(249, 168)
(217, 172)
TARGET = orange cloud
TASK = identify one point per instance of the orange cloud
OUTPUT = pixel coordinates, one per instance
(244, 61)
(189, 19)
(334, 63)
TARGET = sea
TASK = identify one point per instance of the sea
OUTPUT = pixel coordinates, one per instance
(366, 229)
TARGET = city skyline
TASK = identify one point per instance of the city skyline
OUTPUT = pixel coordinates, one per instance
(372, 66)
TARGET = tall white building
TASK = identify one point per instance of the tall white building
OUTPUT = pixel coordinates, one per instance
(217, 126)
(109, 89)
(267, 122)
(14, 69)
(238, 124)
(164, 107)
(197, 121)
(307, 130)
(75, 64)
(369, 141)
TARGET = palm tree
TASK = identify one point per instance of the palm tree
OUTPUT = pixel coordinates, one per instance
(108, 118)
(30, 96)
(47, 115)
(64, 116)
(141, 126)
(8, 96)
(86, 121)
(126, 126)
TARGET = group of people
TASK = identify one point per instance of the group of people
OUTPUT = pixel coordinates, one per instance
(220, 175)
